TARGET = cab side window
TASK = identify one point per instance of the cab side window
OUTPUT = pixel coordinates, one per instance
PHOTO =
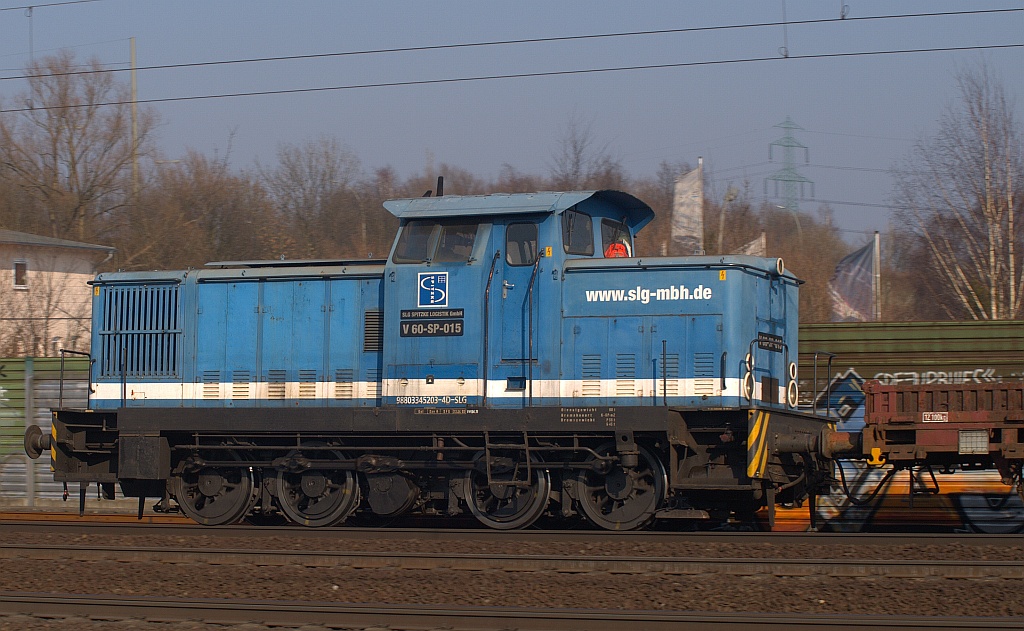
(521, 244)
(431, 240)
(414, 244)
(577, 233)
(455, 243)
(615, 240)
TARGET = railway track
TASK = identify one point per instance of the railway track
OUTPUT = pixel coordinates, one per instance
(184, 527)
(904, 568)
(400, 617)
(7, 517)
(522, 579)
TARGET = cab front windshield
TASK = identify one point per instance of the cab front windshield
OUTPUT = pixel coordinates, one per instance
(441, 241)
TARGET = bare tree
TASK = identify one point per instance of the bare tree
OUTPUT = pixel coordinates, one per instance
(312, 185)
(579, 162)
(512, 180)
(197, 210)
(70, 148)
(960, 191)
(810, 248)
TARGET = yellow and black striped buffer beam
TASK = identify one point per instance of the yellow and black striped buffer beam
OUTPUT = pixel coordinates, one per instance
(757, 443)
(53, 447)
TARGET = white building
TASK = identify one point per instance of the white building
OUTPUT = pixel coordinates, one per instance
(45, 299)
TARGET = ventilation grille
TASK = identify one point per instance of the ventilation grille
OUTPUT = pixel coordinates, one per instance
(704, 374)
(625, 375)
(591, 374)
(276, 384)
(668, 379)
(373, 331)
(343, 386)
(307, 384)
(373, 385)
(139, 334)
(240, 380)
(211, 384)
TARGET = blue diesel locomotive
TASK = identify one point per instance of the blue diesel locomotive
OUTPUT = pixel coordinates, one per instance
(511, 358)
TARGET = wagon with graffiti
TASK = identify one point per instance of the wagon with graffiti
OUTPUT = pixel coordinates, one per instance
(938, 406)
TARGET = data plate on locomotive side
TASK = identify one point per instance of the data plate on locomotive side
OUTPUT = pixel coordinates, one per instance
(430, 328)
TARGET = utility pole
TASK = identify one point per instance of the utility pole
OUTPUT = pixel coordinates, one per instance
(876, 279)
(135, 129)
(730, 196)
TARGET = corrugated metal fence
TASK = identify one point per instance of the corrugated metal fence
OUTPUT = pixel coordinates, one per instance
(29, 388)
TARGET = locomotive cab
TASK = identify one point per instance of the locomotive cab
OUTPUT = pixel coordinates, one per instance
(475, 282)
(513, 301)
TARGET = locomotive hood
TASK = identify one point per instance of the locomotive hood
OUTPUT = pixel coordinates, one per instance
(637, 214)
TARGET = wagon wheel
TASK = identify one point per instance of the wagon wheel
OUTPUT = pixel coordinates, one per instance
(516, 496)
(622, 499)
(214, 496)
(317, 497)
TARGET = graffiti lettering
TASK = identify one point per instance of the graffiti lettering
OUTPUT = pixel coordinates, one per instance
(968, 375)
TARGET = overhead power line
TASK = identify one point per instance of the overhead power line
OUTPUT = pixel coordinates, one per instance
(521, 75)
(864, 204)
(43, 6)
(834, 133)
(533, 40)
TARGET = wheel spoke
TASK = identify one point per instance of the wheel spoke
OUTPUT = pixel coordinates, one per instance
(504, 502)
(321, 497)
(215, 496)
(622, 499)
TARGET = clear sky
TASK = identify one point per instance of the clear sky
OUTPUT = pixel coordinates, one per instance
(860, 113)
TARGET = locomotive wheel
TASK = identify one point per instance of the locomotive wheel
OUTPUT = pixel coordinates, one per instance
(622, 499)
(215, 496)
(501, 504)
(317, 497)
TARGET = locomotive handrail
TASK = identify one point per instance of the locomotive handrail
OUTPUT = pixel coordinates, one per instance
(691, 262)
(529, 360)
(750, 371)
(60, 390)
(828, 383)
(487, 314)
(664, 372)
(123, 351)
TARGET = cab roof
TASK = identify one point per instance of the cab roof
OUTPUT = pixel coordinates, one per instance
(636, 212)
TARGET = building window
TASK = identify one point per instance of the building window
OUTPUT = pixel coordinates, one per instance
(21, 274)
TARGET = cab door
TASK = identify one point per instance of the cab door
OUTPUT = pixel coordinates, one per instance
(513, 291)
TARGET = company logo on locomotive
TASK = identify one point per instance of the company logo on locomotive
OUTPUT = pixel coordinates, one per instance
(433, 289)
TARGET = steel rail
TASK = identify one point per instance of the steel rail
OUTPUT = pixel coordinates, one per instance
(841, 568)
(187, 528)
(346, 615)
